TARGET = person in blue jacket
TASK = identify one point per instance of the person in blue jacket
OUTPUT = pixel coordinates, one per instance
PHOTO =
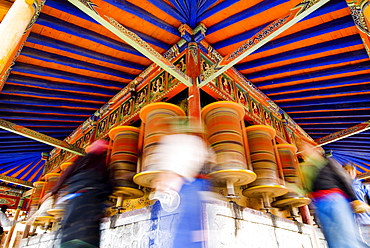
(363, 194)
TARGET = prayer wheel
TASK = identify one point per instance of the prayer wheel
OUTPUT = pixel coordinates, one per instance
(59, 208)
(50, 181)
(36, 196)
(263, 157)
(65, 165)
(225, 135)
(123, 162)
(287, 154)
(153, 116)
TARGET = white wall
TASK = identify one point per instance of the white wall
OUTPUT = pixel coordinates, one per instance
(229, 226)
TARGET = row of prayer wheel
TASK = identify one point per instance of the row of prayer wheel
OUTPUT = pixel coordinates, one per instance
(269, 165)
(244, 156)
(41, 188)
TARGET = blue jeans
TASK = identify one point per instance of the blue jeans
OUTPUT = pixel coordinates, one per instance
(191, 217)
(337, 222)
(188, 229)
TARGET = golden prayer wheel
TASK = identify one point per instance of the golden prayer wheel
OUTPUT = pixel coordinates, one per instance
(262, 150)
(58, 209)
(51, 180)
(65, 165)
(36, 196)
(123, 162)
(287, 154)
(225, 135)
(153, 116)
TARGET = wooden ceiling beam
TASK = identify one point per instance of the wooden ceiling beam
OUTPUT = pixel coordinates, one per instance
(16, 181)
(343, 133)
(14, 128)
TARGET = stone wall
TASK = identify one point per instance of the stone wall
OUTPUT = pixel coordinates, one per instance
(228, 226)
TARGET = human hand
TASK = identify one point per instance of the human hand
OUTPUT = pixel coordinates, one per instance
(360, 207)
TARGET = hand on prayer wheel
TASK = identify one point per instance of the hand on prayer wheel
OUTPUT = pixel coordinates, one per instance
(155, 128)
(292, 199)
(261, 145)
(223, 122)
(123, 162)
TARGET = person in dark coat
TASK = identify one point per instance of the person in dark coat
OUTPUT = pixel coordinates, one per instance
(88, 187)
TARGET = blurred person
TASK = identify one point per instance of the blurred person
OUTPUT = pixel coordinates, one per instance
(333, 198)
(4, 219)
(363, 194)
(88, 186)
(181, 156)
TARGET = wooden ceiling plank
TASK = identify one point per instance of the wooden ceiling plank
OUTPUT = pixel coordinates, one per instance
(310, 52)
(135, 41)
(167, 9)
(332, 73)
(274, 29)
(356, 81)
(324, 63)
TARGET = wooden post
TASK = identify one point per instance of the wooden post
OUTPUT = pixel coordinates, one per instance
(14, 30)
(193, 71)
(305, 214)
(10, 234)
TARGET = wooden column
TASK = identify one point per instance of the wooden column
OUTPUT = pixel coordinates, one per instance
(11, 231)
(12, 30)
(193, 71)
